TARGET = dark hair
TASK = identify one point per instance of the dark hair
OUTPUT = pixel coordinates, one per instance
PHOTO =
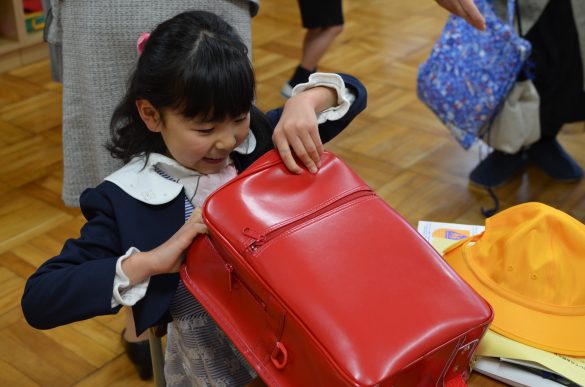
(194, 63)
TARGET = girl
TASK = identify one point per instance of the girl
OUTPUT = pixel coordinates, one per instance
(186, 125)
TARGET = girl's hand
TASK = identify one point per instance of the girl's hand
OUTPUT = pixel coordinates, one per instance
(167, 257)
(297, 128)
(465, 9)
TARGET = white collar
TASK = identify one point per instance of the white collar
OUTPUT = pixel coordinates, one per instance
(145, 184)
(248, 145)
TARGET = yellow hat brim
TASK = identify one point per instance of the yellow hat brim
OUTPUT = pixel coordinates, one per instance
(550, 332)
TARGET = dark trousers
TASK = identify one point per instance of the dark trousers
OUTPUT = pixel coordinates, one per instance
(558, 68)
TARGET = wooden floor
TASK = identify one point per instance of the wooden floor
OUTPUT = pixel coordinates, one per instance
(397, 145)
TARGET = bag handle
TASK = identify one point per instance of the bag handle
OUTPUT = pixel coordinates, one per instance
(514, 12)
(512, 9)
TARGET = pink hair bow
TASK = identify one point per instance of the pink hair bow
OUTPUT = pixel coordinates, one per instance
(142, 39)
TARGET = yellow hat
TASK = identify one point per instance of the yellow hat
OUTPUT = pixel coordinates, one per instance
(529, 264)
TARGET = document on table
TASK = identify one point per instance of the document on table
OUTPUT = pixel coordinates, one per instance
(524, 359)
(442, 235)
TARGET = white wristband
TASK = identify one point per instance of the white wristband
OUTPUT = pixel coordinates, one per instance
(334, 81)
(123, 293)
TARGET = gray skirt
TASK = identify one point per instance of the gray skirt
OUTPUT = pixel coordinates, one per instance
(98, 53)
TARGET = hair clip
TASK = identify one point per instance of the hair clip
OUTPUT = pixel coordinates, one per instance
(142, 39)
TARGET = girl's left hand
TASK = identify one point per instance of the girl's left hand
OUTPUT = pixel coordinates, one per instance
(298, 129)
(167, 257)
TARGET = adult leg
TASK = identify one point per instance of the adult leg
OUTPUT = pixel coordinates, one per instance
(316, 43)
(559, 82)
(324, 22)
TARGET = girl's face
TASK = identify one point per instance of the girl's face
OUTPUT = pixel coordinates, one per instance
(199, 145)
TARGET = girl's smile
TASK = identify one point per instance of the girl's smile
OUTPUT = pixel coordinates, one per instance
(214, 161)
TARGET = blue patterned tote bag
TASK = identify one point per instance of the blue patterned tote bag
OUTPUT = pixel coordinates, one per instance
(469, 72)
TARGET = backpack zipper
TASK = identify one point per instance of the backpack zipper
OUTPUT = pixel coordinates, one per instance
(259, 239)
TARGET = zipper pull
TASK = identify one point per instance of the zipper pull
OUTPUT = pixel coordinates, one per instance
(230, 269)
(258, 239)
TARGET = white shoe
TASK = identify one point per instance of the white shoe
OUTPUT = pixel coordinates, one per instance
(286, 90)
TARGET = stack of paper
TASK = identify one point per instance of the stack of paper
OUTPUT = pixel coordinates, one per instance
(522, 365)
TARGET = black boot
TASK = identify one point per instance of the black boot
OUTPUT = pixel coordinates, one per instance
(139, 354)
(497, 169)
(549, 155)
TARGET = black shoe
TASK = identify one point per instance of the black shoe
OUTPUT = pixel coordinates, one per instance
(139, 354)
(286, 90)
(497, 169)
(550, 156)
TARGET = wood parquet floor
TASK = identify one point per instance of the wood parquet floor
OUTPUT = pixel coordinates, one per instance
(396, 145)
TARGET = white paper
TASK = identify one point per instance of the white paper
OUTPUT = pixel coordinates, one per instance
(510, 374)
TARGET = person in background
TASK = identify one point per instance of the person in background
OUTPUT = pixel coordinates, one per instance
(556, 31)
(323, 21)
(92, 46)
(186, 126)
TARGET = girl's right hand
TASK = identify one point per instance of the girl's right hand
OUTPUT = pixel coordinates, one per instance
(167, 257)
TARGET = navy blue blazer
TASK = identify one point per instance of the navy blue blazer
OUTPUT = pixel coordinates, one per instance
(77, 284)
